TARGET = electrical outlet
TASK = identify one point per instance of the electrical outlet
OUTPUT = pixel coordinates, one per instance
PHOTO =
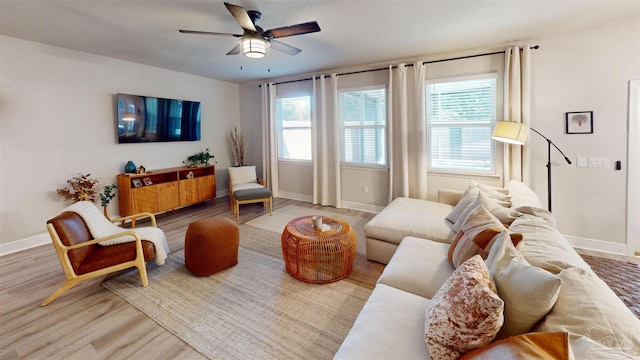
(365, 189)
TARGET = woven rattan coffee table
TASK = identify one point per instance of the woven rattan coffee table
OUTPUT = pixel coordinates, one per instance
(318, 256)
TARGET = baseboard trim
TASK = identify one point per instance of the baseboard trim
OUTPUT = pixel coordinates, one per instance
(24, 244)
(295, 196)
(597, 245)
(362, 207)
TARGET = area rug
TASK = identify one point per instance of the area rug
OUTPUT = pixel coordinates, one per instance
(254, 310)
(621, 276)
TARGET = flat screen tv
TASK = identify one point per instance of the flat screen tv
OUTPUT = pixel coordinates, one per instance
(151, 119)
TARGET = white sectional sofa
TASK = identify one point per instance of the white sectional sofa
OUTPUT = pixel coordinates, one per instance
(416, 238)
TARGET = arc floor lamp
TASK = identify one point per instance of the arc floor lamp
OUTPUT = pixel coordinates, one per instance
(516, 133)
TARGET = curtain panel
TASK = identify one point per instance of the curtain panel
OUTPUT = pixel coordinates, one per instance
(517, 108)
(407, 132)
(269, 138)
(325, 141)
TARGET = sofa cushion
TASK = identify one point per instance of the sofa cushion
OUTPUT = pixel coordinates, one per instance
(544, 246)
(586, 306)
(532, 346)
(522, 195)
(418, 266)
(475, 236)
(410, 217)
(528, 292)
(390, 326)
(242, 174)
(465, 314)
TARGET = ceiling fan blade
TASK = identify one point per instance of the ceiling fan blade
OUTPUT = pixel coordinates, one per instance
(236, 50)
(305, 28)
(287, 49)
(208, 33)
(242, 17)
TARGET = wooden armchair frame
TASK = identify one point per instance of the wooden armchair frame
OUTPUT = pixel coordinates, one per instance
(73, 278)
(234, 203)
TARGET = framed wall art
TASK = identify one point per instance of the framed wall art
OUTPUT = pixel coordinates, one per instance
(137, 183)
(579, 122)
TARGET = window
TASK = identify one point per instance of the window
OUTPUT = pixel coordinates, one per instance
(363, 121)
(294, 128)
(460, 115)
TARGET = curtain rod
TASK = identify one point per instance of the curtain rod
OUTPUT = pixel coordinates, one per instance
(535, 47)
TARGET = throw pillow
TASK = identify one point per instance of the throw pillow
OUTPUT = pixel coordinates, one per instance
(482, 199)
(587, 307)
(528, 292)
(465, 313)
(243, 174)
(475, 235)
(489, 188)
(532, 346)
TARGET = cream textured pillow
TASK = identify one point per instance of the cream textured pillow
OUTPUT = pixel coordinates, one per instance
(528, 292)
(532, 346)
(587, 306)
(243, 174)
(465, 313)
(475, 236)
(482, 199)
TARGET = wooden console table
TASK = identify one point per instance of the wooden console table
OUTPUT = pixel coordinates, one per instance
(318, 256)
(165, 189)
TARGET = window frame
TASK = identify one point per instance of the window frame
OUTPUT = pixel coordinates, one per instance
(384, 128)
(494, 168)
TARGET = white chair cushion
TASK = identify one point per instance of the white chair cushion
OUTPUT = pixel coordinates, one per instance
(246, 186)
(242, 175)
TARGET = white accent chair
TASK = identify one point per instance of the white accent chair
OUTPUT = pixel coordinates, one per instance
(245, 188)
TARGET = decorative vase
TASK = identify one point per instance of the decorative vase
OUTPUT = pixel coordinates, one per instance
(130, 167)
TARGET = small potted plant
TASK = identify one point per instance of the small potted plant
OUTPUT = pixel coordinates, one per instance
(80, 188)
(199, 159)
(109, 192)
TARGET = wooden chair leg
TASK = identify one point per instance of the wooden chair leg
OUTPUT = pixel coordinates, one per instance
(237, 206)
(271, 206)
(66, 286)
(143, 274)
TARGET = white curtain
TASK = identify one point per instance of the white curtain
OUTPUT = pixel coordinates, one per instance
(407, 133)
(325, 142)
(517, 108)
(269, 138)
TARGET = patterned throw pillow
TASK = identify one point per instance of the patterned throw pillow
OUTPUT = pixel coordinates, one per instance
(476, 235)
(465, 314)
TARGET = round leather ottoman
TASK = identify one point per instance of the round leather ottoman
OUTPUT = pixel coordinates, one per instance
(211, 245)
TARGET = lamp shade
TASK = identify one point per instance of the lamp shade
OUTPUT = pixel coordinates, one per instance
(510, 132)
(254, 48)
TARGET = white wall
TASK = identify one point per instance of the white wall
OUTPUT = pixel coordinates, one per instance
(57, 110)
(585, 71)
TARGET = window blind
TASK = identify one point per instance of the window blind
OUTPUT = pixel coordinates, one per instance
(293, 116)
(363, 121)
(460, 116)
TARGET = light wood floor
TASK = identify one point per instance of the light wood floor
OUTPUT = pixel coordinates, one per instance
(90, 322)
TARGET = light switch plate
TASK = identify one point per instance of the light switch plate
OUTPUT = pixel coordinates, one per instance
(583, 161)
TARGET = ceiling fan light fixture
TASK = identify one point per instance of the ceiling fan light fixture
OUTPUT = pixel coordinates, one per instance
(129, 116)
(254, 48)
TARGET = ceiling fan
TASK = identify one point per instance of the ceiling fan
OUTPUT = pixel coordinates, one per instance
(254, 41)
